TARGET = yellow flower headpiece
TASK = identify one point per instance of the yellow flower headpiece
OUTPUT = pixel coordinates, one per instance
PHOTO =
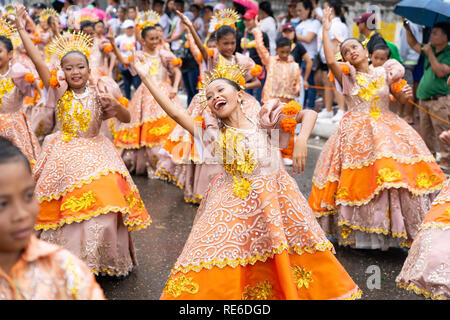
(7, 30)
(226, 17)
(232, 72)
(147, 19)
(71, 41)
(43, 16)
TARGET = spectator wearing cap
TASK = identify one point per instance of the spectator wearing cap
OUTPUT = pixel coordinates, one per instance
(433, 92)
(126, 43)
(291, 16)
(367, 27)
(246, 44)
(268, 24)
(306, 34)
(298, 52)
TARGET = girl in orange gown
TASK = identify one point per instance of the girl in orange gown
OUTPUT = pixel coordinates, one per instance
(17, 80)
(180, 161)
(254, 235)
(141, 139)
(88, 201)
(375, 178)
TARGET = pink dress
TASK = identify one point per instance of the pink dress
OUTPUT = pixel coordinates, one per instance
(141, 139)
(254, 236)
(180, 162)
(375, 178)
(87, 198)
(14, 124)
(426, 270)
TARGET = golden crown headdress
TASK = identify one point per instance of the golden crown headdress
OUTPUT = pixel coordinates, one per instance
(9, 31)
(88, 16)
(226, 17)
(71, 41)
(10, 9)
(232, 72)
(147, 19)
(43, 16)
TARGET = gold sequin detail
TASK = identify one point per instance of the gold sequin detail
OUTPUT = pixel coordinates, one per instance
(176, 286)
(78, 120)
(367, 91)
(262, 291)
(6, 85)
(387, 175)
(426, 181)
(159, 131)
(341, 193)
(134, 201)
(237, 161)
(77, 204)
(302, 277)
(375, 112)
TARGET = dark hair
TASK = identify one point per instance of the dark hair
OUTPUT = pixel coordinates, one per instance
(146, 30)
(338, 8)
(98, 21)
(158, 1)
(157, 25)
(307, 4)
(239, 8)
(7, 42)
(224, 31)
(382, 47)
(445, 27)
(283, 42)
(210, 8)
(75, 51)
(196, 6)
(179, 1)
(10, 153)
(86, 24)
(212, 37)
(49, 20)
(266, 7)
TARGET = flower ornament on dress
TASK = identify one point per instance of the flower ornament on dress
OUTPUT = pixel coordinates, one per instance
(227, 17)
(9, 31)
(46, 13)
(232, 72)
(147, 19)
(71, 41)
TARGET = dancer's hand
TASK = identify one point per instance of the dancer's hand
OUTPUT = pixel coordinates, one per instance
(184, 19)
(110, 105)
(406, 94)
(445, 136)
(326, 20)
(173, 93)
(20, 19)
(299, 155)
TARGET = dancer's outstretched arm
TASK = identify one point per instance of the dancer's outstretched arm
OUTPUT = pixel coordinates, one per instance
(33, 52)
(178, 114)
(328, 48)
(308, 119)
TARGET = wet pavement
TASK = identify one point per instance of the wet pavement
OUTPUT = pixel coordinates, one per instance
(158, 246)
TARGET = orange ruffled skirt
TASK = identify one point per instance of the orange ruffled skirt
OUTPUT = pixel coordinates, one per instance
(267, 246)
(374, 182)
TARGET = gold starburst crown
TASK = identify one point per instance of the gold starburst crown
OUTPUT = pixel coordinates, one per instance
(43, 16)
(9, 31)
(10, 9)
(226, 17)
(232, 72)
(71, 41)
(147, 19)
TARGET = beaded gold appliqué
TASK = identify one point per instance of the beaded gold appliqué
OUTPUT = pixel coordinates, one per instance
(387, 175)
(77, 204)
(134, 201)
(175, 286)
(237, 161)
(262, 291)
(302, 277)
(6, 85)
(78, 120)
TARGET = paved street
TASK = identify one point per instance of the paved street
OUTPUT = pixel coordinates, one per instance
(159, 245)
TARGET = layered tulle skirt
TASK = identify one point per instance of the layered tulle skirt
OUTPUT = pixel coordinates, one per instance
(266, 246)
(374, 182)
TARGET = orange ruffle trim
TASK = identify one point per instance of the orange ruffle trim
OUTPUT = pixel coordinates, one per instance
(438, 216)
(309, 276)
(147, 134)
(356, 187)
(109, 193)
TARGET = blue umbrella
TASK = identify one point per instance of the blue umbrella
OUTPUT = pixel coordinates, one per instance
(424, 12)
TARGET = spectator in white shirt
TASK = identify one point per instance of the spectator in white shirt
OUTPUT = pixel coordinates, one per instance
(115, 23)
(338, 33)
(306, 32)
(268, 24)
